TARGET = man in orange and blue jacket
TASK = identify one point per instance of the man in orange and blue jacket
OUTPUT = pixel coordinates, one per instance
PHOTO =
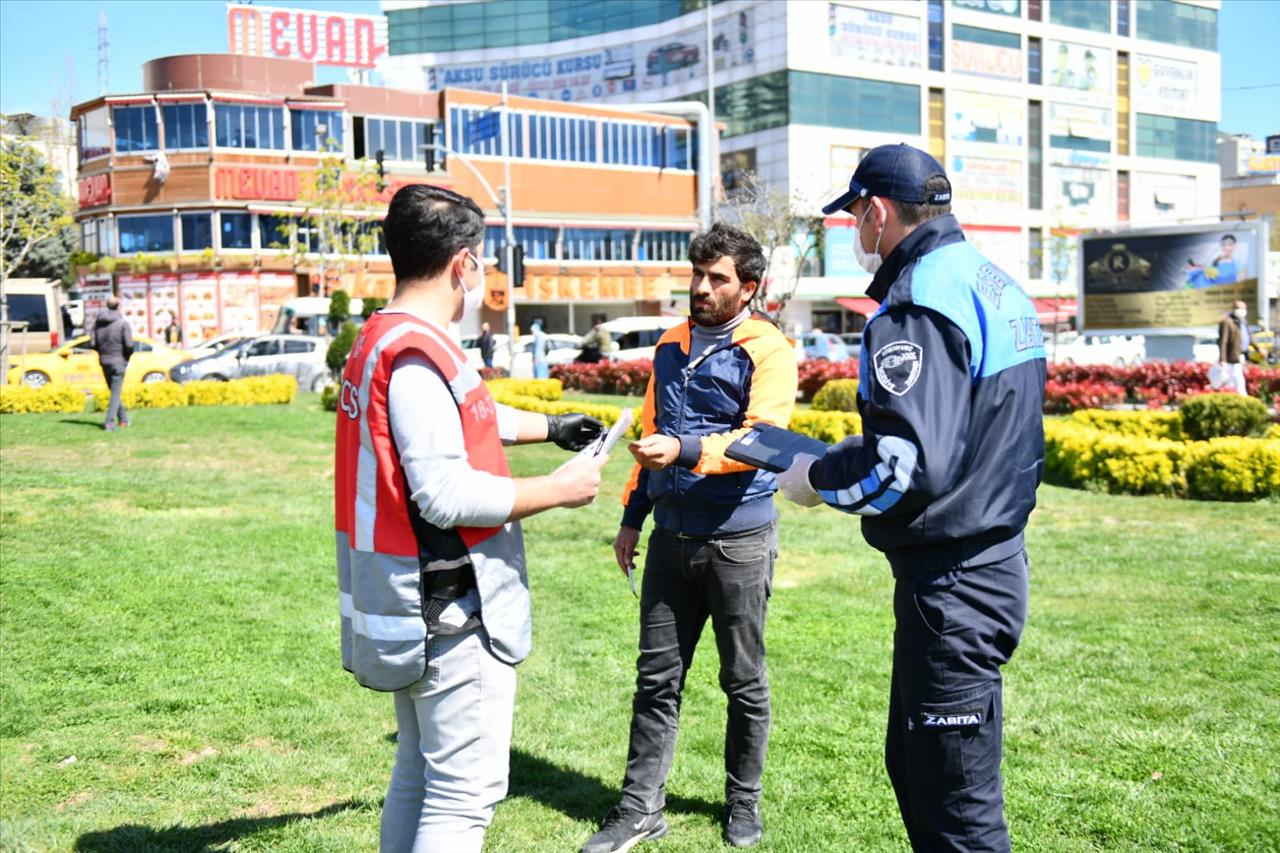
(715, 539)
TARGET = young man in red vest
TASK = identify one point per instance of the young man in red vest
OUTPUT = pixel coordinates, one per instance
(431, 572)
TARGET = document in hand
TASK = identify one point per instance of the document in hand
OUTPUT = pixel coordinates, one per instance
(772, 448)
(604, 444)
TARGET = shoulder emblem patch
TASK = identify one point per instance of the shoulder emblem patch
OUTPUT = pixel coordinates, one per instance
(897, 366)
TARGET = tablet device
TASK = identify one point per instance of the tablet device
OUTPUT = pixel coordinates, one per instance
(772, 448)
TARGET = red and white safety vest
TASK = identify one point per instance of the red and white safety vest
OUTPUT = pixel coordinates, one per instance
(381, 557)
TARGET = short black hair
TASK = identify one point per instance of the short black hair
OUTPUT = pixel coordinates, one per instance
(913, 214)
(426, 226)
(1226, 237)
(725, 241)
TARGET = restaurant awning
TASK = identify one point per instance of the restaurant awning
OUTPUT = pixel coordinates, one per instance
(1059, 308)
(863, 305)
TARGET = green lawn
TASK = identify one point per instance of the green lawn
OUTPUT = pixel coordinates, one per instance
(168, 617)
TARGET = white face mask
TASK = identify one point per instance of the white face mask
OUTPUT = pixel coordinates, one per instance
(1241, 312)
(872, 261)
(473, 298)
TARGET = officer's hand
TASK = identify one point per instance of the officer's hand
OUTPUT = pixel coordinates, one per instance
(578, 480)
(625, 546)
(573, 432)
(794, 482)
(655, 452)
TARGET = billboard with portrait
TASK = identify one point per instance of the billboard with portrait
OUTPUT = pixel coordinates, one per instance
(1078, 70)
(991, 119)
(1173, 280)
(866, 35)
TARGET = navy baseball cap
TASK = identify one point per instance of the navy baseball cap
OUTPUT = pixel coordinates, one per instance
(894, 171)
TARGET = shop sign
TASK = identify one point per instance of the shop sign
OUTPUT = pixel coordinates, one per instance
(95, 191)
(247, 182)
(341, 39)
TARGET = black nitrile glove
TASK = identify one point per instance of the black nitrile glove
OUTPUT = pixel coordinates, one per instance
(573, 432)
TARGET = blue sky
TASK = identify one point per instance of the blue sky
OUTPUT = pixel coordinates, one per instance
(49, 49)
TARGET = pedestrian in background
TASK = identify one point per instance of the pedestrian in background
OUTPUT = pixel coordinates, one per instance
(485, 343)
(540, 368)
(943, 477)
(1233, 347)
(173, 332)
(113, 339)
(714, 541)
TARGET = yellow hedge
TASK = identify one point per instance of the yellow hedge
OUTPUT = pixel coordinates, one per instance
(19, 399)
(1221, 469)
(253, 391)
(1149, 424)
(831, 427)
(541, 389)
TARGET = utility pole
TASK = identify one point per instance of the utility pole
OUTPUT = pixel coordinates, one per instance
(508, 247)
(712, 148)
(104, 54)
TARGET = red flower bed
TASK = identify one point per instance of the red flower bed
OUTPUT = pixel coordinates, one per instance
(1064, 397)
(605, 377)
(816, 372)
(1160, 383)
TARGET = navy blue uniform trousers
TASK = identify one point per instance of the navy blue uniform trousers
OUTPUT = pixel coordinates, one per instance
(953, 632)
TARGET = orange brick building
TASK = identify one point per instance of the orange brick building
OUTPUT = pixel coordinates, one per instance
(198, 194)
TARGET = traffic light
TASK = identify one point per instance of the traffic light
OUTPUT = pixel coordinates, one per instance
(517, 265)
(379, 155)
(429, 155)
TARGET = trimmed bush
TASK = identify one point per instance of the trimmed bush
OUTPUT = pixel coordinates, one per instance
(817, 372)
(253, 391)
(1219, 415)
(1064, 397)
(541, 389)
(605, 377)
(1148, 424)
(19, 399)
(329, 398)
(1234, 469)
(831, 427)
(340, 347)
(838, 395)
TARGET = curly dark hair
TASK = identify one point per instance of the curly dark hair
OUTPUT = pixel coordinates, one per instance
(724, 240)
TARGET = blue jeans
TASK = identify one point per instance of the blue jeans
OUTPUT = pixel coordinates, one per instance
(116, 412)
(685, 582)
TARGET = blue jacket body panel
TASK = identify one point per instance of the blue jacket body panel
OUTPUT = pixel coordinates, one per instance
(952, 374)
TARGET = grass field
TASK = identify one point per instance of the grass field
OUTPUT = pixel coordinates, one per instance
(168, 617)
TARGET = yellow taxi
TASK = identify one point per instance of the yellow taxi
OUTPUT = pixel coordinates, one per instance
(76, 363)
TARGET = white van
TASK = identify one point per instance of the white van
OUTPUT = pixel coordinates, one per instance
(309, 315)
(37, 302)
(636, 337)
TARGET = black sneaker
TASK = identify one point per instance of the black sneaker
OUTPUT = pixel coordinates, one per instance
(742, 824)
(624, 828)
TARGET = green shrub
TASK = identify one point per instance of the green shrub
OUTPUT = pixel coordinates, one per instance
(1149, 424)
(831, 427)
(54, 397)
(1218, 415)
(838, 395)
(371, 304)
(340, 347)
(329, 398)
(1234, 469)
(339, 308)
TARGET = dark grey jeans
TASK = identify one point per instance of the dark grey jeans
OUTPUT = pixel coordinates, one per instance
(686, 581)
(116, 412)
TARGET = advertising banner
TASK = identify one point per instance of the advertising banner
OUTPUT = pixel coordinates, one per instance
(583, 75)
(1163, 86)
(1079, 136)
(987, 183)
(162, 294)
(1079, 69)
(1174, 280)
(1082, 195)
(986, 60)
(838, 258)
(1012, 8)
(274, 290)
(863, 35)
(95, 289)
(341, 39)
(843, 161)
(133, 303)
(199, 295)
(239, 302)
(993, 119)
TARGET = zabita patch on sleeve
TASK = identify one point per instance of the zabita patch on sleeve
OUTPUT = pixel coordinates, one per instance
(898, 365)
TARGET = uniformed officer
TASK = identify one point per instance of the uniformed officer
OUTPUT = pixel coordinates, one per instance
(944, 476)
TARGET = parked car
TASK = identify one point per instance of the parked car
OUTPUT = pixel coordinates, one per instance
(38, 303)
(671, 56)
(1262, 346)
(1075, 348)
(636, 337)
(471, 349)
(824, 345)
(309, 315)
(76, 363)
(300, 356)
(561, 349)
(217, 344)
(852, 342)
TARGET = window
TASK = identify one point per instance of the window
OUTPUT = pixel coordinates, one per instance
(1122, 196)
(1033, 10)
(561, 138)
(1178, 23)
(298, 347)
(937, 37)
(1122, 103)
(186, 126)
(750, 105)
(145, 233)
(397, 139)
(249, 126)
(937, 125)
(1035, 155)
(1082, 14)
(596, 244)
(237, 231)
(197, 231)
(664, 246)
(1176, 138)
(1035, 253)
(1122, 17)
(1034, 53)
(135, 129)
(273, 231)
(314, 130)
(95, 236)
(851, 102)
(982, 35)
(95, 134)
(268, 346)
(539, 243)
(29, 308)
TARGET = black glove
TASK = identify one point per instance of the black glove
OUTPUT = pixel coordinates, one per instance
(573, 432)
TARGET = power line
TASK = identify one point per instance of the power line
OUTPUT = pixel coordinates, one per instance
(1262, 86)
